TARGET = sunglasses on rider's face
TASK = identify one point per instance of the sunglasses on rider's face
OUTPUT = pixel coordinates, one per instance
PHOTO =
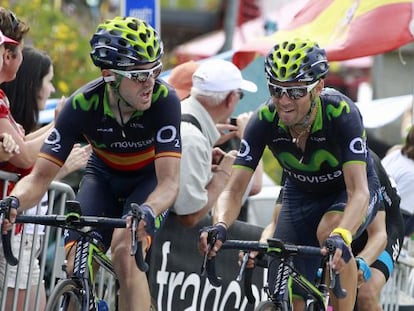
(293, 92)
(141, 75)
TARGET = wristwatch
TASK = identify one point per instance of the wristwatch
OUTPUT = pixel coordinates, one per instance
(344, 233)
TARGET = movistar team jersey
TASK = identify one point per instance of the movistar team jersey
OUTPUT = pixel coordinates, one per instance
(337, 137)
(390, 198)
(147, 135)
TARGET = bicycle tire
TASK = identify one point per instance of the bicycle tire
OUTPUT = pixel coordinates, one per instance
(65, 289)
(153, 306)
(267, 306)
(314, 306)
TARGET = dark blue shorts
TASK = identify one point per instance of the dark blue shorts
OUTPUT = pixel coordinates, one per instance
(104, 193)
(299, 219)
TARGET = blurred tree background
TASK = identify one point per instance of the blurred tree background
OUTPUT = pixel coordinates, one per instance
(63, 29)
(65, 39)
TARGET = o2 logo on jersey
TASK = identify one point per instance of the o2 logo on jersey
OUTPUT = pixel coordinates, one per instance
(167, 134)
(54, 140)
(244, 150)
(358, 146)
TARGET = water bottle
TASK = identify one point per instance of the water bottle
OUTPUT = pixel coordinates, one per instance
(102, 305)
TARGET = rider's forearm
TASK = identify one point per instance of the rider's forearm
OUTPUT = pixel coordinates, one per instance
(355, 211)
(229, 203)
(227, 209)
(30, 189)
(168, 180)
(163, 196)
(29, 192)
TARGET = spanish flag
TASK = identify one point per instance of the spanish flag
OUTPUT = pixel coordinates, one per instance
(345, 28)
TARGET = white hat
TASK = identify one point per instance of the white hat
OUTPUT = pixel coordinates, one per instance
(218, 75)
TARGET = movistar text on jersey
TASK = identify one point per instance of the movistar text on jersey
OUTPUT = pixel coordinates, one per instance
(316, 179)
(132, 144)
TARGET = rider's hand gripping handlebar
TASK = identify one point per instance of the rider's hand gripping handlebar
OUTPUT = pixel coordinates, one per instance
(5, 205)
(136, 246)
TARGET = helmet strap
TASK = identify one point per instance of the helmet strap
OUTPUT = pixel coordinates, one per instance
(120, 117)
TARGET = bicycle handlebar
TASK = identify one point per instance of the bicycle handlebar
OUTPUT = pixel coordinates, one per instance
(275, 248)
(76, 222)
(7, 249)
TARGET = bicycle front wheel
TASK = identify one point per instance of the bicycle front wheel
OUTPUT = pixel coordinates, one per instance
(314, 306)
(66, 293)
(268, 306)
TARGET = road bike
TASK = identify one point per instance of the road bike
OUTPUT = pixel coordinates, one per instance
(281, 299)
(78, 290)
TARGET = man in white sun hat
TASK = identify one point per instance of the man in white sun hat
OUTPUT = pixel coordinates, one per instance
(217, 87)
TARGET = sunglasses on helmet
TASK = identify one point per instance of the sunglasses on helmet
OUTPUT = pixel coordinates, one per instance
(293, 92)
(141, 75)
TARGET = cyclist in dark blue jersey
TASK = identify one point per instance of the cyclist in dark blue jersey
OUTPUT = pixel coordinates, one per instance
(132, 121)
(378, 247)
(376, 250)
(317, 135)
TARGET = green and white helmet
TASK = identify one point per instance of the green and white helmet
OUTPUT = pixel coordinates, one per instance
(124, 42)
(297, 60)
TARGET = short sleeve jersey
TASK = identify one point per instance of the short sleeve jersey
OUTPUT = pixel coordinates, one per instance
(146, 136)
(390, 198)
(337, 137)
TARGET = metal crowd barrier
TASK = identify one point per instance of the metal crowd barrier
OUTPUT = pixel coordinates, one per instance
(390, 294)
(51, 255)
(58, 193)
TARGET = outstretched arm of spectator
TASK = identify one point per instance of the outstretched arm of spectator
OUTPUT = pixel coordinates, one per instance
(77, 159)
(8, 147)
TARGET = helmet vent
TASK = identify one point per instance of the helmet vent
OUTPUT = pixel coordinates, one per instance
(133, 26)
(115, 32)
(123, 42)
(296, 60)
(150, 51)
(103, 41)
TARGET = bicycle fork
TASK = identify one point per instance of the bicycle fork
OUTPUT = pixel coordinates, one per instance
(83, 271)
(281, 293)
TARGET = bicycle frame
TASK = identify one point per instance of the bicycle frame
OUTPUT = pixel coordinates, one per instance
(86, 253)
(287, 275)
(87, 248)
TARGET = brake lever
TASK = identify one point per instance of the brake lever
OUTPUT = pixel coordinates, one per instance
(243, 267)
(335, 281)
(134, 244)
(331, 273)
(6, 238)
(211, 240)
(204, 264)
